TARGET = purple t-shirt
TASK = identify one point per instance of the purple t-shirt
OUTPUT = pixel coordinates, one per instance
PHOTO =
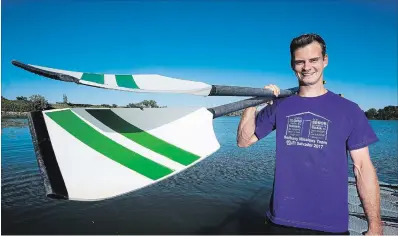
(313, 136)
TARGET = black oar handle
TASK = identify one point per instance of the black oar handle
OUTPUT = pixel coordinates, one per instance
(239, 105)
(222, 90)
(49, 74)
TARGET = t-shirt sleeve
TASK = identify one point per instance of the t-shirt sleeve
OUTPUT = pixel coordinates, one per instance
(362, 133)
(265, 120)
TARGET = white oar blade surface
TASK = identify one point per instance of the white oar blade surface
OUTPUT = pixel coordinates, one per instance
(145, 83)
(104, 153)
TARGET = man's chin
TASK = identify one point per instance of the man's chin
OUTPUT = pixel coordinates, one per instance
(305, 82)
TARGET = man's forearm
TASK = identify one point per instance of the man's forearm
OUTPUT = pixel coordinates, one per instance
(246, 127)
(369, 192)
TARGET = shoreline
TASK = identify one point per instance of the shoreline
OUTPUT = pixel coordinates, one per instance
(8, 115)
(13, 114)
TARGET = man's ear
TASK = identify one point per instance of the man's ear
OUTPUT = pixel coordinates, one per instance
(325, 60)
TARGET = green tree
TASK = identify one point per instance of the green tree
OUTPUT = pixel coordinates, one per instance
(371, 114)
(65, 99)
(132, 105)
(39, 102)
(390, 112)
(381, 114)
(144, 104)
(22, 98)
(149, 104)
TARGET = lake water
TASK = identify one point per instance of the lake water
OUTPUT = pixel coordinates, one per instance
(226, 193)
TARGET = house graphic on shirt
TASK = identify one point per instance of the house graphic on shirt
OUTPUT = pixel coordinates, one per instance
(307, 125)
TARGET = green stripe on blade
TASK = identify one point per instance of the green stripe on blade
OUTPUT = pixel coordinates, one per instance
(96, 78)
(102, 144)
(126, 81)
(113, 121)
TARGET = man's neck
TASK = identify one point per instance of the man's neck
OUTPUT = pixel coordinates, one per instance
(312, 90)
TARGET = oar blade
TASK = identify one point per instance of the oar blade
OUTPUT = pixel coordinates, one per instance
(141, 83)
(94, 154)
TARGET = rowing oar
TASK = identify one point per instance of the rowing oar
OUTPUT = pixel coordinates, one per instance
(90, 154)
(146, 83)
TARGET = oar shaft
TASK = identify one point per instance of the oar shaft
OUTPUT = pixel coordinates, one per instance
(239, 105)
(222, 90)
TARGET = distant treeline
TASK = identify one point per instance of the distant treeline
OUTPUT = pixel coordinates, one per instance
(387, 113)
(38, 102)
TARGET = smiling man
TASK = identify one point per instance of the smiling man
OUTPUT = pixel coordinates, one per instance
(315, 130)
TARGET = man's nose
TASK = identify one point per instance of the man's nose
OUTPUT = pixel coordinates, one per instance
(307, 66)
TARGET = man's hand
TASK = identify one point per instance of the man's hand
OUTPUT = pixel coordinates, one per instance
(275, 89)
(375, 230)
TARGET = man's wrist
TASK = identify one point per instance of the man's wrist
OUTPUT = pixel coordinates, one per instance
(375, 226)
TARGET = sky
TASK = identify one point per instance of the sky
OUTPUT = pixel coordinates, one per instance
(243, 43)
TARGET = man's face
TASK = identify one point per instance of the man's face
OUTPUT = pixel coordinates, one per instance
(308, 64)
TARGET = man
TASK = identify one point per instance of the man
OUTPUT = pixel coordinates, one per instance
(314, 131)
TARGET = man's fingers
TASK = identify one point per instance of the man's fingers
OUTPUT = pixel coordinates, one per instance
(274, 88)
(277, 90)
(270, 87)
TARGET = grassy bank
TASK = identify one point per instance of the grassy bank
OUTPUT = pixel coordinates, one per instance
(21, 107)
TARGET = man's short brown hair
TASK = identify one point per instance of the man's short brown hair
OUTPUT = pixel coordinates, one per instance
(304, 40)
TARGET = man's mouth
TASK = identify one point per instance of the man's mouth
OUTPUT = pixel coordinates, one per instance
(307, 74)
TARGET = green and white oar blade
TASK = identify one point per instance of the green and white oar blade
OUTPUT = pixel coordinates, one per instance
(94, 154)
(144, 83)
(149, 83)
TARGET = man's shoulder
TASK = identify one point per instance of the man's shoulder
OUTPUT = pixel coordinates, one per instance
(347, 109)
(343, 102)
(272, 108)
(280, 101)
(276, 104)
